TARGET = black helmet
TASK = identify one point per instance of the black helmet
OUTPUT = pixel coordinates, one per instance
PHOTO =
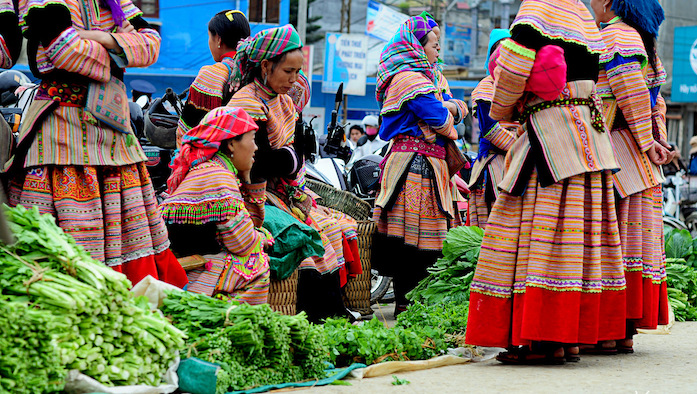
(137, 119)
(364, 175)
(10, 80)
(161, 126)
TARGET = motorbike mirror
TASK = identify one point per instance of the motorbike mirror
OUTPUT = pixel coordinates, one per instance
(339, 97)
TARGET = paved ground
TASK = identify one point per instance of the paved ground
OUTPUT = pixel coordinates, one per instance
(661, 364)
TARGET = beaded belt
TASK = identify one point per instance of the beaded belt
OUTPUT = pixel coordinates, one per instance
(417, 145)
(67, 93)
(594, 103)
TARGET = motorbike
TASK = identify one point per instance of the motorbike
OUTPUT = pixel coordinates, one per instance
(156, 130)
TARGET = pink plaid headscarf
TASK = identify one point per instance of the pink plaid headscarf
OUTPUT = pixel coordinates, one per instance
(203, 141)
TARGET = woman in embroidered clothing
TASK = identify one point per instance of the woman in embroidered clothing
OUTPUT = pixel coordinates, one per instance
(495, 138)
(10, 35)
(208, 210)
(86, 173)
(268, 69)
(630, 80)
(414, 207)
(212, 87)
(550, 273)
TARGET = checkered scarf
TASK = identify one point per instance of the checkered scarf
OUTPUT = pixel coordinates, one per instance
(404, 52)
(266, 44)
(203, 141)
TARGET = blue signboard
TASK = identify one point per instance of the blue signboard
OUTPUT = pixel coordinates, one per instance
(458, 39)
(684, 87)
(345, 61)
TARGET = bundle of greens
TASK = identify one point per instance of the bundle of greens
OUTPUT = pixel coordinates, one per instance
(421, 332)
(449, 279)
(681, 270)
(97, 326)
(253, 345)
(682, 291)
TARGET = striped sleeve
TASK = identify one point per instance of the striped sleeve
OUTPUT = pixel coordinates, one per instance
(85, 57)
(254, 195)
(432, 112)
(5, 58)
(501, 137)
(658, 115)
(633, 99)
(238, 235)
(512, 71)
(141, 49)
(10, 35)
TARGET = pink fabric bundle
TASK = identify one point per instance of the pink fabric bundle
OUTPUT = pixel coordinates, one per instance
(548, 74)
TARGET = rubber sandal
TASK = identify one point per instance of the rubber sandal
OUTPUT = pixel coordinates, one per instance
(598, 350)
(625, 349)
(525, 357)
(572, 358)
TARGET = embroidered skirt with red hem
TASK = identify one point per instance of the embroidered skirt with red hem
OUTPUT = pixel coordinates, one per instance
(641, 231)
(110, 211)
(550, 267)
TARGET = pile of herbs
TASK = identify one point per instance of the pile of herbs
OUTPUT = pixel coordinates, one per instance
(421, 332)
(681, 269)
(61, 310)
(253, 345)
(450, 278)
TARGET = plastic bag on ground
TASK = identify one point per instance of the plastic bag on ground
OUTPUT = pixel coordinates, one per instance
(79, 383)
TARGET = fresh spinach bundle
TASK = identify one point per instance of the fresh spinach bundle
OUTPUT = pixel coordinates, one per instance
(449, 279)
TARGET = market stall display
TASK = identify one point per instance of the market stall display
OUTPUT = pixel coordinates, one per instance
(62, 310)
(681, 270)
(253, 345)
(450, 277)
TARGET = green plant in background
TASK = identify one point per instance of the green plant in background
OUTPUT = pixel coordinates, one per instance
(681, 264)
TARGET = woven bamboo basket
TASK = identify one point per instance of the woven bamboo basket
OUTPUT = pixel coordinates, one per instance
(283, 294)
(357, 290)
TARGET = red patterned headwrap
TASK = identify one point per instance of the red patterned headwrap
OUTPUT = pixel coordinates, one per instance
(203, 141)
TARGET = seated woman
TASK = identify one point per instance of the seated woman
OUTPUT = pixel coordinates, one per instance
(212, 86)
(208, 211)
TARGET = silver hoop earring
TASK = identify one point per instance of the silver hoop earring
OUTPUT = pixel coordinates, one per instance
(604, 10)
(218, 46)
(265, 79)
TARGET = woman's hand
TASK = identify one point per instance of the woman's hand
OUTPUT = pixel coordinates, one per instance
(451, 107)
(101, 37)
(671, 150)
(127, 27)
(658, 154)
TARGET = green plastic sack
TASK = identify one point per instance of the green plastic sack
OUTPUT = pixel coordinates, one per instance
(197, 376)
(295, 241)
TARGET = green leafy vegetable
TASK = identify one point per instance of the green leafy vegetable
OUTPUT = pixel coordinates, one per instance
(449, 279)
(253, 344)
(94, 323)
(398, 381)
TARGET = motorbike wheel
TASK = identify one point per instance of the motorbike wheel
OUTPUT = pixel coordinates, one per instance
(388, 297)
(670, 222)
(691, 223)
(379, 285)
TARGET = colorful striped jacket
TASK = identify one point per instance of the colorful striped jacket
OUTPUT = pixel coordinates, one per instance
(205, 94)
(405, 90)
(633, 107)
(66, 136)
(560, 141)
(10, 35)
(501, 134)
